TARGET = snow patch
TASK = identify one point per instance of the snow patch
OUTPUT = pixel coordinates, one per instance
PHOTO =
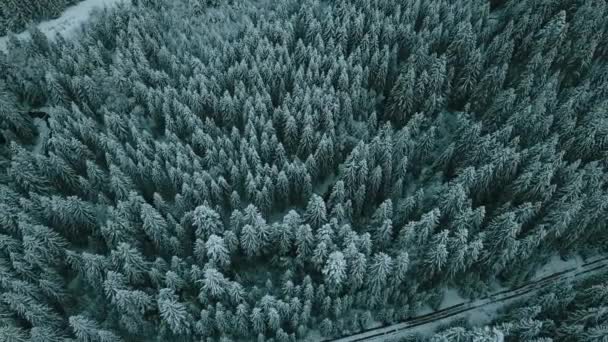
(451, 297)
(68, 23)
(557, 264)
(424, 310)
(485, 314)
(314, 335)
(43, 135)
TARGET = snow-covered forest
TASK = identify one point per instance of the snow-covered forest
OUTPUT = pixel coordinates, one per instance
(244, 170)
(15, 15)
(572, 312)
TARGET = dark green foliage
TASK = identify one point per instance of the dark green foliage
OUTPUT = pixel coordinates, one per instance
(240, 170)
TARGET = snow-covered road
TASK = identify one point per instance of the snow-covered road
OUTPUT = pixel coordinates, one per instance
(426, 323)
(69, 22)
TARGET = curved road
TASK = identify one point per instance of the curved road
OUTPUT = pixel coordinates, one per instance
(404, 327)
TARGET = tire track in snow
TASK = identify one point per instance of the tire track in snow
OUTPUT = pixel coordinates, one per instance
(407, 326)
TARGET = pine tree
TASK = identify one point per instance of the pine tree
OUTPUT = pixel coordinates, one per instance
(130, 261)
(315, 212)
(402, 264)
(436, 255)
(304, 242)
(45, 334)
(379, 270)
(12, 118)
(217, 251)
(327, 327)
(250, 242)
(242, 320)
(91, 266)
(207, 221)
(335, 270)
(214, 282)
(173, 312)
(155, 226)
(273, 319)
(257, 319)
(87, 330)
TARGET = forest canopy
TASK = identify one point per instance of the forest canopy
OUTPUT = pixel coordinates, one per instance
(278, 171)
(15, 15)
(563, 312)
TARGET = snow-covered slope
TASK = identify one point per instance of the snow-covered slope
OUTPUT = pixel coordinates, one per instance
(69, 22)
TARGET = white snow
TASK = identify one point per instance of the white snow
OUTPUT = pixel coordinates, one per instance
(482, 311)
(43, 135)
(485, 314)
(313, 335)
(68, 23)
(557, 264)
(451, 298)
(425, 309)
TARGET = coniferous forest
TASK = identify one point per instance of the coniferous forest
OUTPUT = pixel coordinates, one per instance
(15, 15)
(249, 170)
(573, 312)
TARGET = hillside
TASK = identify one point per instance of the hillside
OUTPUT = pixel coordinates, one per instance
(196, 170)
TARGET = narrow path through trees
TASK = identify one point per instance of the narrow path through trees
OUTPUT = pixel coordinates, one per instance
(503, 297)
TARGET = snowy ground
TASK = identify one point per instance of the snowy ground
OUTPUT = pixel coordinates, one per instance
(481, 312)
(43, 135)
(69, 22)
(557, 264)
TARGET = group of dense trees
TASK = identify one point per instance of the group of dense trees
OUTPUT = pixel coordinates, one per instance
(15, 15)
(275, 171)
